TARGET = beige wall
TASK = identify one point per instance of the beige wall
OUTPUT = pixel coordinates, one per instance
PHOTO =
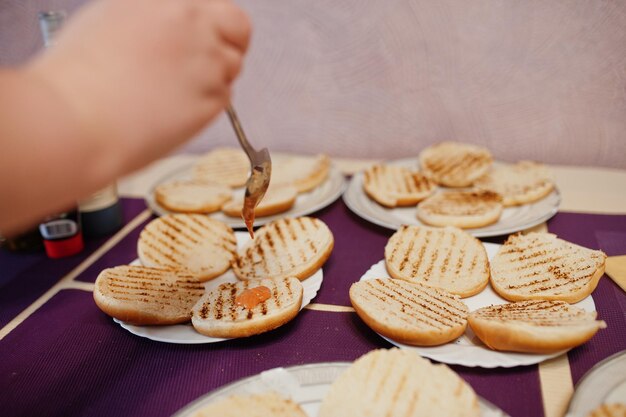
(544, 80)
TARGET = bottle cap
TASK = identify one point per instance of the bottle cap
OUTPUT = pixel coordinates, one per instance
(64, 247)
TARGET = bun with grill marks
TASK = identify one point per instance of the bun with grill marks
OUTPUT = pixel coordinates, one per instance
(396, 186)
(220, 314)
(521, 183)
(455, 164)
(196, 243)
(534, 326)
(142, 295)
(540, 266)
(399, 382)
(447, 258)
(228, 166)
(287, 247)
(408, 312)
(464, 209)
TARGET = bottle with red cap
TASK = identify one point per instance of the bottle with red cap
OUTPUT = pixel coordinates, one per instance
(61, 233)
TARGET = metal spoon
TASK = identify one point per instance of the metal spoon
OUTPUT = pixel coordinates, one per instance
(260, 172)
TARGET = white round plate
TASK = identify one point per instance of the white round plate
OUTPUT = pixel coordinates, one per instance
(306, 203)
(468, 350)
(306, 385)
(186, 334)
(513, 219)
(605, 383)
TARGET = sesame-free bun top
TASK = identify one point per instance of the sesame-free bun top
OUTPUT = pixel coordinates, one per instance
(447, 258)
(399, 382)
(200, 245)
(540, 266)
(396, 186)
(455, 164)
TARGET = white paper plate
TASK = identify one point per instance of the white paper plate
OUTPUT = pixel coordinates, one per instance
(305, 384)
(186, 334)
(605, 383)
(468, 350)
(513, 219)
(306, 203)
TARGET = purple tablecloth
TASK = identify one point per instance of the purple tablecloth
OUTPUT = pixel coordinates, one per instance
(69, 359)
(24, 277)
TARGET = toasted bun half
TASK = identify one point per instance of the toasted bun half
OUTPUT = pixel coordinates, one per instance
(399, 382)
(455, 164)
(142, 295)
(284, 248)
(464, 209)
(192, 196)
(252, 405)
(303, 172)
(277, 199)
(202, 246)
(227, 166)
(540, 266)
(534, 326)
(447, 258)
(217, 313)
(609, 410)
(521, 183)
(396, 186)
(408, 312)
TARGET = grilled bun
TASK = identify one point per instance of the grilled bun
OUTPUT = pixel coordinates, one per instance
(286, 247)
(534, 326)
(142, 295)
(303, 172)
(227, 166)
(202, 246)
(396, 186)
(447, 258)
(521, 183)
(539, 266)
(464, 209)
(192, 196)
(252, 405)
(398, 382)
(455, 164)
(409, 313)
(218, 314)
(277, 199)
(609, 410)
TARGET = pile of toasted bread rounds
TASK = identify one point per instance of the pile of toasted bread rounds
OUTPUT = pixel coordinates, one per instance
(216, 180)
(179, 253)
(457, 184)
(432, 269)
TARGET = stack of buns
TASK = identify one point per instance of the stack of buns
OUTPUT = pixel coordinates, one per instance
(217, 178)
(180, 252)
(473, 192)
(431, 268)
